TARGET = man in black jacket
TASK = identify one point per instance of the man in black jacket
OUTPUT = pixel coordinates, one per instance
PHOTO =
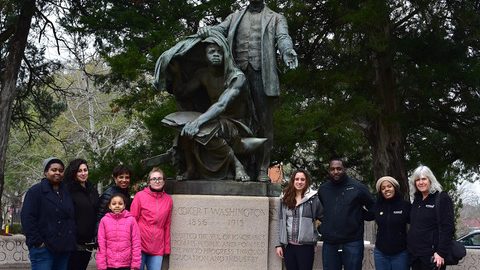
(344, 200)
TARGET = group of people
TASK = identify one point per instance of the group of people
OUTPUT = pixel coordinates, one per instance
(416, 235)
(64, 219)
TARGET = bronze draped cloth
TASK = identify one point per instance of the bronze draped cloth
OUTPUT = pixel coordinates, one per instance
(214, 157)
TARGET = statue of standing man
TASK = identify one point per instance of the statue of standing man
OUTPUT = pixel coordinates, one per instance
(254, 35)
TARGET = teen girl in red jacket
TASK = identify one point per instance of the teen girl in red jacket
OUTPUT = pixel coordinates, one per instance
(152, 208)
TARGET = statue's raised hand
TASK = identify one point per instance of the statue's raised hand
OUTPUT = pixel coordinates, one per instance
(204, 32)
(290, 59)
(190, 129)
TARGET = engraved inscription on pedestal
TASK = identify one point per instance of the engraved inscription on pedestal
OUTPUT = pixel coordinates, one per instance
(219, 232)
(13, 249)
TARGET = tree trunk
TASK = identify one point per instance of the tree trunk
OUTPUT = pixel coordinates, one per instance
(384, 133)
(387, 144)
(8, 90)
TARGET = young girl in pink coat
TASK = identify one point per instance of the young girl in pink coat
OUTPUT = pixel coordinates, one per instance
(119, 245)
(152, 208)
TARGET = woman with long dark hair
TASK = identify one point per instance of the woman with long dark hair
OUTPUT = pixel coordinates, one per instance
(85, 201)
(299, 209)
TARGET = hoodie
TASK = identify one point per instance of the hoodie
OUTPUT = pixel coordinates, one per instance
(310, 209)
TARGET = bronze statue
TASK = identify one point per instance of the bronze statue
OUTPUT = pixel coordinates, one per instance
(213, 107)
(254, 35)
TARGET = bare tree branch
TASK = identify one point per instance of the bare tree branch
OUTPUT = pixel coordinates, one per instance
(52, 25)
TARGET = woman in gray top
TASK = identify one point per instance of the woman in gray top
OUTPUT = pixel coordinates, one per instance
(299, 209)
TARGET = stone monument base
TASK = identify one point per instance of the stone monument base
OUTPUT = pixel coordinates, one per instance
(223, 187)
(220, 232)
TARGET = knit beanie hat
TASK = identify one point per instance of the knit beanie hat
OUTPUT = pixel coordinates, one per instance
(49, 161)
(389, 179)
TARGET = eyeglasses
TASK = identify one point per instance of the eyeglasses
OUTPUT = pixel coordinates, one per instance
(157, 179)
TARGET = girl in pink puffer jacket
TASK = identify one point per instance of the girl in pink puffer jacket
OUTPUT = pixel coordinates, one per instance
(119, 243)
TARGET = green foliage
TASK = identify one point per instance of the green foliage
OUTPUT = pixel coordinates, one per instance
(132, 34)
(16, 229)
(24, 162)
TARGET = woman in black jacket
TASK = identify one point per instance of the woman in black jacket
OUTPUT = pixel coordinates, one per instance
(431, 229)
(121, 175)
(85, 201)
(392, 215)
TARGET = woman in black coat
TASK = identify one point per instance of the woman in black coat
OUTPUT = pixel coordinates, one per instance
(85, 200)
(392, 215)
(431, 225)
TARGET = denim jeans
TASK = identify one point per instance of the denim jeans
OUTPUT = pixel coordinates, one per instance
(348, 255)
(43, 259)
(152, 262)
(383, 261)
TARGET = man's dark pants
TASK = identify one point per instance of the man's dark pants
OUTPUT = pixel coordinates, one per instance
(348, 255)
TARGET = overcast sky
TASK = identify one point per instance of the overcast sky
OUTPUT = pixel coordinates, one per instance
(470, 192)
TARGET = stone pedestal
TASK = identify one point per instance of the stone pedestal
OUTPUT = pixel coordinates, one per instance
(223, 187)
(274, 262)
(13, 250)
(219, 232)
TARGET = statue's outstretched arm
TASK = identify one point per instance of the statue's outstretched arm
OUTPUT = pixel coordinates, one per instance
(284, 43)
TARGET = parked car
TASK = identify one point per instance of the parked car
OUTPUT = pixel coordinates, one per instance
(471, 239)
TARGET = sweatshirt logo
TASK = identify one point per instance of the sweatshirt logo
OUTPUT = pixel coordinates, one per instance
(429, 205)
(349, 188)
(398, 212)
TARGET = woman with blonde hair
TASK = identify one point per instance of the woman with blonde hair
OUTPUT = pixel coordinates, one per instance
(431, 221)
(152, 208)
(299, 209)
